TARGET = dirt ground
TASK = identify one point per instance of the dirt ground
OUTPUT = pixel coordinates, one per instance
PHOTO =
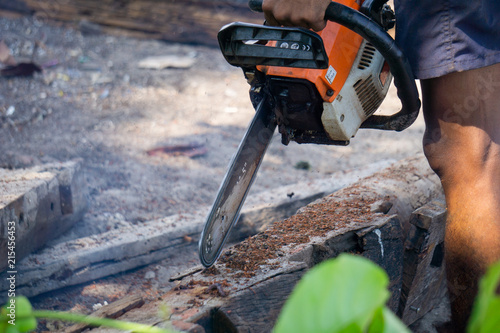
(92, 101)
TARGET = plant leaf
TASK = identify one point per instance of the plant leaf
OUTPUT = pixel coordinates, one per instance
(339, 295)
(385, 321)
(17, 316)
(485, 315)
(392, 324)
(378, 322)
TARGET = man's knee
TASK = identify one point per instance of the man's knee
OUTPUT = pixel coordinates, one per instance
(461, 138)
(436, 151)
(462, 158)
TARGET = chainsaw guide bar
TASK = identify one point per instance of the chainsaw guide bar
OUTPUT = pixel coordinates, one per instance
(236, 184)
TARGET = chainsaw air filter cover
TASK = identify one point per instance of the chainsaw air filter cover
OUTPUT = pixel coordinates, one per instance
(364, 90)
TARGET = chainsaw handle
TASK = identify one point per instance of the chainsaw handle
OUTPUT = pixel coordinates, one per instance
(399, 66)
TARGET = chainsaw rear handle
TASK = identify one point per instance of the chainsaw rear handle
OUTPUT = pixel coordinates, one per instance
(399, 66)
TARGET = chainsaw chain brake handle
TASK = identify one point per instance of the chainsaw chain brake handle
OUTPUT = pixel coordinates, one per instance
(370, 30)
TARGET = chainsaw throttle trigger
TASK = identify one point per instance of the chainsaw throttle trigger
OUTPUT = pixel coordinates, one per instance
(248, 45)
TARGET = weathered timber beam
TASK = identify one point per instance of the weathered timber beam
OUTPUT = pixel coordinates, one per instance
(37, 205)
(89, 258)
(256, 306)
(245, 290)
(424, 279)
(188, 21)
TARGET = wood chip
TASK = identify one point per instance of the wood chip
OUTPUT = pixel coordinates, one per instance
(113, 310)
(5, 56)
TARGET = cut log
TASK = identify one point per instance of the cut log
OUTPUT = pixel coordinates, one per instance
(37, 205)
(15, 6)
(256, 307)
(186, 21)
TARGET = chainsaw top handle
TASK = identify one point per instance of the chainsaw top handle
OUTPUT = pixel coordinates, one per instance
(399, 66)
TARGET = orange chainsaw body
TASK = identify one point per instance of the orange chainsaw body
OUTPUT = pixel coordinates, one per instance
(341, 45)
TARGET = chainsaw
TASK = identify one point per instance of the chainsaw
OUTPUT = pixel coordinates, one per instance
(315, 88)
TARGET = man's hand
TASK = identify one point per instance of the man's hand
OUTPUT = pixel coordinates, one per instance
(309, 14)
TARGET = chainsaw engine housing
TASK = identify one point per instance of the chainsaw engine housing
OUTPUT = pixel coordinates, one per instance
(352, 87)
(364, 90)
(304, 116)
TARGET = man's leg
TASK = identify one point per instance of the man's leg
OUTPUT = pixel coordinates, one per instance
(462, 145)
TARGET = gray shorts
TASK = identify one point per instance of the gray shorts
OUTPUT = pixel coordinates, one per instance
(445, 36)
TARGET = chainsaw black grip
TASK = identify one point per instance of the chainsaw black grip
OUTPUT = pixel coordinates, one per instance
(400, 68)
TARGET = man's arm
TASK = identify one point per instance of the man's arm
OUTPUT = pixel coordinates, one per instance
(298, 13)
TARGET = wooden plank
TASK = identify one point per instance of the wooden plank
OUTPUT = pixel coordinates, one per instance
(424, 280)
(252, 298)
(256, 307)
(93, 257)
(37, 205)
(86, 259)
(384, 246)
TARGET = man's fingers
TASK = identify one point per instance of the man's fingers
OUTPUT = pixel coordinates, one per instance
(307, 14)
(318, 26)
(270, 20)
(288, 21)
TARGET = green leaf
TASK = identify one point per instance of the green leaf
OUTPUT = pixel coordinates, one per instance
(392, 324)
(17, 316)
(378, 322)
(485, 315)
(97, 321)
(339, 295)
(385, 321)
(20, 310)
(9, 329)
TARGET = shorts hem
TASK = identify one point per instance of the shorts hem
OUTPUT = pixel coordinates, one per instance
(456, 66)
